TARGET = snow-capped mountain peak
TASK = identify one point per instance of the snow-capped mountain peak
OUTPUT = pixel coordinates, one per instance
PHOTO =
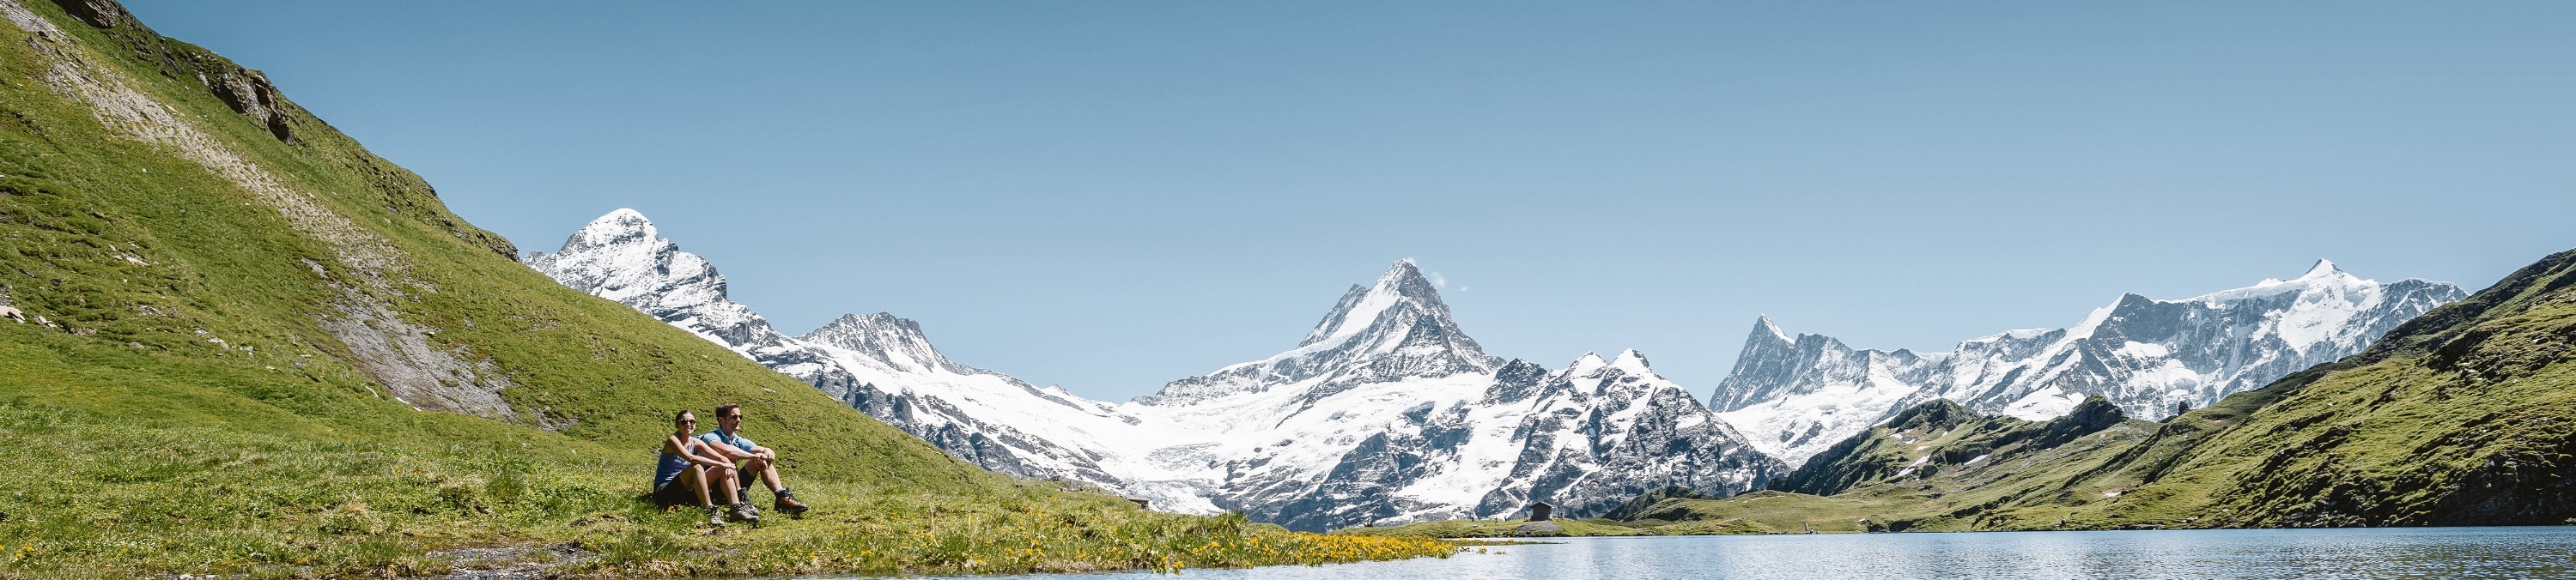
(622, 257)
(897, 342)
(621, 225)
(1587, 364)
(1763, 325)
(1388, 330)
(1401, 299)
(1631, 361)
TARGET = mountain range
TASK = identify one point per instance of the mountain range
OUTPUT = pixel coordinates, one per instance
(1794, 396)
(1384, 412)
(2458, 417)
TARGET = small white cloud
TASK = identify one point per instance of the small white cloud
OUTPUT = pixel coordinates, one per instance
(1438, 282)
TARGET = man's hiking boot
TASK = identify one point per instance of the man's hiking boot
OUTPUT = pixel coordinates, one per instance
(715, 517)
(743, 510)
(787, 504)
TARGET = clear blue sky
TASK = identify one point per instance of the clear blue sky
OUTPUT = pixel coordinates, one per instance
(1112, 195)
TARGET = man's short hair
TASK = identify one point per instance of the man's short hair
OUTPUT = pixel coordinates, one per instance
(726, 409)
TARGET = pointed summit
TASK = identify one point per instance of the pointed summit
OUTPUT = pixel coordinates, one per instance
(1402, 288)
(1764, 327)
(2322, 269)
(1590, 361)
(897, 342)
(1394, 328)
(1632, 361)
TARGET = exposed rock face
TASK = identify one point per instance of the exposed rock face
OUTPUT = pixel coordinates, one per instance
(249, 93)
(1384, 413)
(1794, 396)
(399, 356)
(1601, 433)
(99, 13)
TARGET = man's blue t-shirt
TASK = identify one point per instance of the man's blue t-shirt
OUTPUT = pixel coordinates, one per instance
(719, 436)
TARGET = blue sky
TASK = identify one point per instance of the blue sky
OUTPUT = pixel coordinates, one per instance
(1112, 195)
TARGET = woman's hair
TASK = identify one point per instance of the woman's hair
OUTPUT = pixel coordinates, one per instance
(675, 417)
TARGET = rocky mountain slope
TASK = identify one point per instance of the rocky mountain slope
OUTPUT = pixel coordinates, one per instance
(1384, 412)
(2461, 416)
(1794, 396)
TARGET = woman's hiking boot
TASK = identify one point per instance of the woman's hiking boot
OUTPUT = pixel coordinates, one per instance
(715, 517)
(787, 504)
(743, 510)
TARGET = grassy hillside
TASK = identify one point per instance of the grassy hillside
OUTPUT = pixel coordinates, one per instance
(252, 347)
(2464, 416)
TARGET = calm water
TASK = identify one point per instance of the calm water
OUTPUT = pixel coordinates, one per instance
(2532, 552)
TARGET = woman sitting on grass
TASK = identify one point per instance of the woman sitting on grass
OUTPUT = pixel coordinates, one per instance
(688, 467)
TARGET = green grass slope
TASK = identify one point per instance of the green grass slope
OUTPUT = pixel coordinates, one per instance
(235, 317)
(2464, 416)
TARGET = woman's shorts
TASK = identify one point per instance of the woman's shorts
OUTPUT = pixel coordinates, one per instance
(674, 493)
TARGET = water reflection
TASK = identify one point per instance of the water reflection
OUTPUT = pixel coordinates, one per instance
(2529, 552)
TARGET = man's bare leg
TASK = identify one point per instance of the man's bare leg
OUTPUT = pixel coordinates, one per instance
(724, 479)
(768, 473)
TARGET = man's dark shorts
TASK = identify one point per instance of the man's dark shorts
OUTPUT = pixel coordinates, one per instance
(674, 493)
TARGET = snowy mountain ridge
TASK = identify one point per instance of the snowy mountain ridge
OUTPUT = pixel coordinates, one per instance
(1794, 396)
(1385, 412)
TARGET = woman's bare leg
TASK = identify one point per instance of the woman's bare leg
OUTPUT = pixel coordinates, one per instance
(696, 478)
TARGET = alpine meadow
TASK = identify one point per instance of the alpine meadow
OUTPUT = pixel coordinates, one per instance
(253, 348)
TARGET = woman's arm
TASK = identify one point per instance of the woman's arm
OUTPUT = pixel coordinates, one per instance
(686, 452)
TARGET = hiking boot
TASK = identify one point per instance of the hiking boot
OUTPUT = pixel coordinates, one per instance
(743, 510)
(787, 504)
(715, 517)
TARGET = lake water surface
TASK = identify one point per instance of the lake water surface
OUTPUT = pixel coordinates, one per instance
(2518, 552)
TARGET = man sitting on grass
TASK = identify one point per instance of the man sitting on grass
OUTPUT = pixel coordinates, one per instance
(730, 444)
(689, 467)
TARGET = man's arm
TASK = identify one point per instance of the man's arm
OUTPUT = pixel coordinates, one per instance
(684, 444)
(729, 451)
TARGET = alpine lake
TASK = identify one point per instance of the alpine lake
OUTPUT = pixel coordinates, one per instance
(2485, 552)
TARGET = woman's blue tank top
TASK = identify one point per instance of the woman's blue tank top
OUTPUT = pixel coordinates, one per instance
(670, 468)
